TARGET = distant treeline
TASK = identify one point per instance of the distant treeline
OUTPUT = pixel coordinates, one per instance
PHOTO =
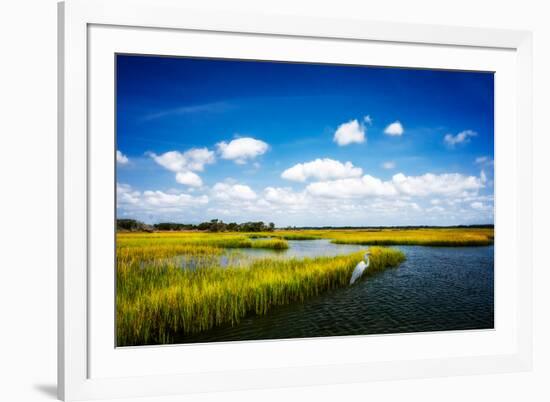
(215, 225)
(132, 225)
(477, 226)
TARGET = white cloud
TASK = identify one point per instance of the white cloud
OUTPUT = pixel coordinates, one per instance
(193, 159)
(388, 165)
(121, 158)
(352, 187)
(460, 138)
(162, 199)
(198, 157)
(477, 205)
(155, 201)
(172, 160)
(484, 160)
(229, 191)
(483, 177)
(321, 169)
(394, 129)
(189, 179)
(417, 186)
(126, 195)
(214, 107)
(352, 201)
(284, 195)
(185, 164)
(242, 149)
(481, 159)
(445, 184)
(349, 133)
(368, 119)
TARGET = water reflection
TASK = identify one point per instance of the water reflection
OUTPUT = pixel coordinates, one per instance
(242, 258)
(435, 289)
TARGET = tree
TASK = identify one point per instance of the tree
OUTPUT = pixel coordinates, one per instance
(214, 225)
(132, 225)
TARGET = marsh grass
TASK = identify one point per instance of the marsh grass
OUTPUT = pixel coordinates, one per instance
(194, 239)
(299, 236)
(156, 299)
(449, 237)
(296, 235)
(421, 237)
(274, 244)
(160, 300)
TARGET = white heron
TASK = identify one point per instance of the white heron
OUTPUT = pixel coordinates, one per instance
(360, 268)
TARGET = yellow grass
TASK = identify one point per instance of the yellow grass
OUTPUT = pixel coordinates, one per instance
(451, 237)
(454, 237)
(157, 299)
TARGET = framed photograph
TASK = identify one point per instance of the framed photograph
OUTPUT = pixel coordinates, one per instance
(252, 201)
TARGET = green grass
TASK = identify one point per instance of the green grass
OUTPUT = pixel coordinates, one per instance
(159, 300)
(259, 235)
(275, 244)
(421, 237)
(196, 239)
(284, 235)
(299, 236)
(449, 237)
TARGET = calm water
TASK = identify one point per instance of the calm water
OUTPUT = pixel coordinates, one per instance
(435, 289)
(306, 248)
(243, 257)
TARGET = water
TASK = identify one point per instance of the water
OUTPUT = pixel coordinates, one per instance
(435, 289)
(305, 248)
(245, 256)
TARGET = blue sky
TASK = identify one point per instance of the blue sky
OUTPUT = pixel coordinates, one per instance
(302, 144)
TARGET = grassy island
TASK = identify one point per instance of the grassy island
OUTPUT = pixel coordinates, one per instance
(157, 299)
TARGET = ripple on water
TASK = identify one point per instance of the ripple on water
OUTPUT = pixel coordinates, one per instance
(435, 289)
(243, 257)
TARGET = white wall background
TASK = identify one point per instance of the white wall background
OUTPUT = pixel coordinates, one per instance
(28, 198)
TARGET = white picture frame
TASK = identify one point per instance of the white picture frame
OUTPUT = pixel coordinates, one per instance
(87, 365)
